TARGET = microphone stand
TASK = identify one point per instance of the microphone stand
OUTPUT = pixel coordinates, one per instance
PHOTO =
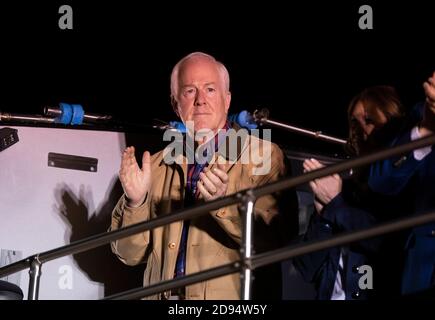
(262, 117)
(96, 122)
(87, 117)
(26, 118)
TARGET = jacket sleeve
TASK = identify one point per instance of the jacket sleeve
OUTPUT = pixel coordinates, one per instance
(348, 218)
(130, 250)
(311, 265)
(390, 176)
(335, 218)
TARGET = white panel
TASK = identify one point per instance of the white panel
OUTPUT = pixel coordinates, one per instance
(40, 206)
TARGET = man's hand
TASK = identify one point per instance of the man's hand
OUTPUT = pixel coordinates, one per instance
(135, 181)
(428, 124)
(213, 184)
(324, 189)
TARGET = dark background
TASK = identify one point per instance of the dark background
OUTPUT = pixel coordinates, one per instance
(304, 61)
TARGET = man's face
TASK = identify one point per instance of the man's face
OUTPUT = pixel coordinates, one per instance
(202, 97)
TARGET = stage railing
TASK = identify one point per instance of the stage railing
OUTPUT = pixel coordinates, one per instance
(277, 255)
(247, 198)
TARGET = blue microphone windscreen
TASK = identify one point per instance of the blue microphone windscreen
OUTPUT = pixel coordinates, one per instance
(245, 120)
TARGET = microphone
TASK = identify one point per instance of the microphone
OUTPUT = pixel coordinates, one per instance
(73, 114)
(243, 119)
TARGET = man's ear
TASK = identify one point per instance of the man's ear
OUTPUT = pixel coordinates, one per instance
(227, 101)
(174, 104)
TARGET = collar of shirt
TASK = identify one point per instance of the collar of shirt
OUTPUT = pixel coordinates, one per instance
(193, 170)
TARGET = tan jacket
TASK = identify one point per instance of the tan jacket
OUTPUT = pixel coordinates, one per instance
(213, 239)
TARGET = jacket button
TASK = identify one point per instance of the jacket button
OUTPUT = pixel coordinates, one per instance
(171, 245)
(356, 295)
(355, 269)
(432, 233)
(399, 162)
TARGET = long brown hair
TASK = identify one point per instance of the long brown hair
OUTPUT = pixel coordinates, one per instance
(377, 98)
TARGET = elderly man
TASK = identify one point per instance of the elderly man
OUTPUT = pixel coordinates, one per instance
(201, 98)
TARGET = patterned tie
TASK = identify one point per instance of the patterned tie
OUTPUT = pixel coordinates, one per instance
(192, 194)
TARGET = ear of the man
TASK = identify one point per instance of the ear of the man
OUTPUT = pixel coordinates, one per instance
(227, 101)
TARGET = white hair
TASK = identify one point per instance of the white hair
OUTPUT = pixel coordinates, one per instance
(221, 68)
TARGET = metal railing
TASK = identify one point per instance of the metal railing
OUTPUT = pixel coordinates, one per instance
(277, 255)
(248, 262)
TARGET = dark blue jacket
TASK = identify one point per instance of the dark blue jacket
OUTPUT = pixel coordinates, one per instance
(413, 181)
(321, 267)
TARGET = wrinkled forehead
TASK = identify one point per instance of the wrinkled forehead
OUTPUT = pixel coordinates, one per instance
(198, 70)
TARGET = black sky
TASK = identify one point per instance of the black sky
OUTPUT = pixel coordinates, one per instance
(302, 61)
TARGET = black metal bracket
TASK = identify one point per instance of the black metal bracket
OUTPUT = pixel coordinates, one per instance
(67, 161)
(8, 137)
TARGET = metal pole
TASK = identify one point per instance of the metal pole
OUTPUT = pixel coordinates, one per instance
(248, 202)
(202, 209)
(315, 134)
(341, 239)
(24, 118)
(262, 117)
(178, 282)
(35, 274)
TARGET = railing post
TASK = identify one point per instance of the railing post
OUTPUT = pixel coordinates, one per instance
(34, 274)
(246, 249)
